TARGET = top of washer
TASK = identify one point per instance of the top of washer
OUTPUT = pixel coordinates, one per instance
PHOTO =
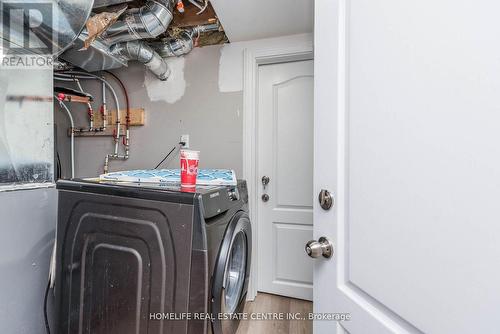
(215, 199)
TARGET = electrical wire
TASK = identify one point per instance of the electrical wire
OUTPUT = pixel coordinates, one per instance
(72, 135)
(59, 166)
(166, 157)
(179, 146)
(45, 314)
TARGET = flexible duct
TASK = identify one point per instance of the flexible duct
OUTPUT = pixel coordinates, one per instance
(140, 51)
(148, 21)
(175, 47)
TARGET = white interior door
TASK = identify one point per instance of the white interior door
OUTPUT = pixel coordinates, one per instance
(285, 156)
(407, 133)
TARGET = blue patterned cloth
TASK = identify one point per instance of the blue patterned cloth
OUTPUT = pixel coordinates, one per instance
(207, 177)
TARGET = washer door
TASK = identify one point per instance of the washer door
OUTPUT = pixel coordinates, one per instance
(231, 275)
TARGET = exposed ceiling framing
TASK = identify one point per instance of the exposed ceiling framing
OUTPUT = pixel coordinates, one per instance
(184, 20)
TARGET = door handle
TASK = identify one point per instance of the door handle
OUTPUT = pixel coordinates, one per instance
(325, 199)
(322, 247)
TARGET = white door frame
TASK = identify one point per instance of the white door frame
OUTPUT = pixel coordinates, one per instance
(289, 49)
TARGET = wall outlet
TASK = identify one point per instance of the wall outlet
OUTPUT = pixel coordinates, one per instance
(185, 139)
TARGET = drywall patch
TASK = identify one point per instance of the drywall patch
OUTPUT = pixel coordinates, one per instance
(231, 68)
(171, 90)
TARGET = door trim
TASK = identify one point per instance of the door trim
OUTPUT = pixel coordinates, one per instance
(289, 49)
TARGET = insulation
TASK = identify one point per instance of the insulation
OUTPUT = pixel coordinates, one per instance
(98, 23)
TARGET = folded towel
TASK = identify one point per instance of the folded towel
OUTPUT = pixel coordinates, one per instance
(206, 177)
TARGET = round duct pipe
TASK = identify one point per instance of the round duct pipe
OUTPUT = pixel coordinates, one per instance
(42, 26)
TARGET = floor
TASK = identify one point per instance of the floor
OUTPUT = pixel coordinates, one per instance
(266, 303)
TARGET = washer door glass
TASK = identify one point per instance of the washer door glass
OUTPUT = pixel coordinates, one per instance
(234, 276)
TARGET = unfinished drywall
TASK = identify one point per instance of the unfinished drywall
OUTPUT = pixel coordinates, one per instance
(26, 241)
(190, 104)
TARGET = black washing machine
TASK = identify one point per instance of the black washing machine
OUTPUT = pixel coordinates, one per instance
(143, 258)
(229, 241)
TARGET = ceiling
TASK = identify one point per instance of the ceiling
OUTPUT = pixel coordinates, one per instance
(245, 20)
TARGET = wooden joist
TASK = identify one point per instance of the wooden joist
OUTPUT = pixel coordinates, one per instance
(189, 18)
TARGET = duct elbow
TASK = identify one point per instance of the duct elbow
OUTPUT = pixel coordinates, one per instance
(142, 52)
(149, 21)
(157, 17)
(159, 67)
(176, 47)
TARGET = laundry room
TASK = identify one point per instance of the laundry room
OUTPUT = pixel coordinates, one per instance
(248, 167)
(123, 102)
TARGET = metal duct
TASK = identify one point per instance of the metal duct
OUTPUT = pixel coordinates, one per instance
(108, 3)
(148, 21)
(55, 23)
(140, 51)
(182, 45)
(96, 58)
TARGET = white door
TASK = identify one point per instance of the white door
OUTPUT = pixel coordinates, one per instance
(407, 138)
(285, 156)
